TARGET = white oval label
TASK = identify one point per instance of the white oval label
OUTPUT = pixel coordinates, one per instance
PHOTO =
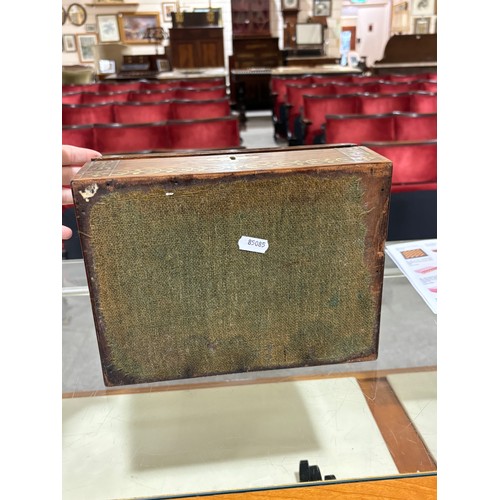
(250, 244)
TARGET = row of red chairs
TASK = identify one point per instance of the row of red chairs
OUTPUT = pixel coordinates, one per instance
(278, 83)
(145, 95)
(144, 112)
(143, 85)
(289, 91)
(414, 163)
(294, 103)
(115, 138)
(308, 127)
(395, 126)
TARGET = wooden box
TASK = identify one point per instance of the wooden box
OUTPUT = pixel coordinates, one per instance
(228, 262)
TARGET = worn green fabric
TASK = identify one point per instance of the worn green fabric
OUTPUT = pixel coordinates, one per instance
(177, 297)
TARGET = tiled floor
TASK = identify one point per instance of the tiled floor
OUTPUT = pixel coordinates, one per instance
(258, 130)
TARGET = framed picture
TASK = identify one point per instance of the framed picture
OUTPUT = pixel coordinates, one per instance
(167, 8)
(400, 18)
(85, 44)
(422, 25)
(90, 28)
(423, 7)
(322, 8)
(69, 43)
(107, 28)
(133, 26)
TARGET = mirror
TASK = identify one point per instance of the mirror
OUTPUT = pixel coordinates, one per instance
(77, 14)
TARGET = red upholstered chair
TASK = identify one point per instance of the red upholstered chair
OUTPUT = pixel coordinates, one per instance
(367, 78)
(415, 126)
(332, 78)
(72, 98)
(118, 138)
(189, 110)
(410, 77)
(376, 104)
(78, 135)
(118, 86)
(203, 84)
(80, 87)
(423, 102)
(398, 87)
(359, 128)
(414, 163)
(357, 88)
(102, 97)
(211, 133)
(413, 204)
(295, 106)
(152, 95)
(316, 107)
(201, 94)
(159, 85)
(80, 114)
(428, 86)
(278, 95)
(141, 112)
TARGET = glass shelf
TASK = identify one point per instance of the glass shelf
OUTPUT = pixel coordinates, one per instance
(366, 422)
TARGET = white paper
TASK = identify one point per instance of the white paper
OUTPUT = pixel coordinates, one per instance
(251, 244)
(417, 260)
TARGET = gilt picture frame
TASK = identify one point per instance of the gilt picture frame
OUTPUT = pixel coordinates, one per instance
(133, 26)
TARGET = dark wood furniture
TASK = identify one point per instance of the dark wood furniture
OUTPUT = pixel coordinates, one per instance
(250, 65)
(197, 47)
(250, 18)
(408, 54)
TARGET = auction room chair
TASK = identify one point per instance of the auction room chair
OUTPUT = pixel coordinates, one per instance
(376, 104)
(80, 114)
(201, 94)
(118, 138)
(359, 128)
(152, 95)
(141, 112)
(413, 203)
(202, 84)
(78, 135)
(316, 107)
(102, 97)
(423, 102)
(210, 133)
(415, 126)
(190, 110)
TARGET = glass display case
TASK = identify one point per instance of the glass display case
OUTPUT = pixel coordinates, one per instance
(360, 427)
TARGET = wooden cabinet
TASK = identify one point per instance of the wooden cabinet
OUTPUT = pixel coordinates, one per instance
(250, 18)
(197, 47)
(251, 90)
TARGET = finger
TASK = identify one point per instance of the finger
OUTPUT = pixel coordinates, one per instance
(68, 173)
(67, 196)
(74, 155)
(66, 233)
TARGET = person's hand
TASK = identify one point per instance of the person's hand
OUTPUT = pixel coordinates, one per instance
(73, 158)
